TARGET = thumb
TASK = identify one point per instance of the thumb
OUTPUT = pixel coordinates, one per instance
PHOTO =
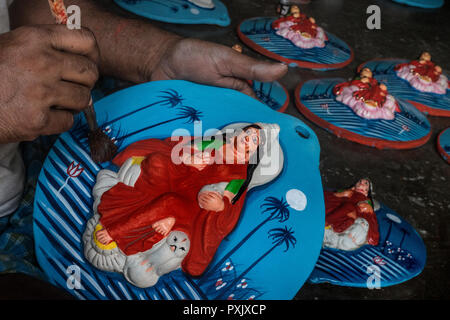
(245, 67)
(267, 71)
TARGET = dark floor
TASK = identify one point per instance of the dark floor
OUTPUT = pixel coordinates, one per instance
(416, 182)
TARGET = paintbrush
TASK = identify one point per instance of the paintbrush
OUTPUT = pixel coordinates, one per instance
(101, 146)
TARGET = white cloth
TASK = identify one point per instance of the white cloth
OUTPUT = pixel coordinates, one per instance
(12, 178)
(12, 170)
(4, 18)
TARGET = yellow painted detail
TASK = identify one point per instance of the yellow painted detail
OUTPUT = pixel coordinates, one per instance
(137, 160)
(109, 246)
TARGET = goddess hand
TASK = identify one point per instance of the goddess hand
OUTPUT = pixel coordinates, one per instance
(211, 201)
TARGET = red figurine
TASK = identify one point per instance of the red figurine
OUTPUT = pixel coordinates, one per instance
(423, 74)
(301, 30)
(343, 209)
(367, 97)
(167, 193)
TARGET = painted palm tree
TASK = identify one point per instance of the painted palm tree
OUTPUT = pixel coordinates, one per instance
(328, 92)
(170, 99)
(190, 114)
(312, 95)
(279, 237)
(388, 233)
(260, 91)
(79, 129)
(404, 234)
(276, 208)
(254, 30)
(267, 26)
(336, 45)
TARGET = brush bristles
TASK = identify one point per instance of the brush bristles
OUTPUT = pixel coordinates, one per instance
(102, 148)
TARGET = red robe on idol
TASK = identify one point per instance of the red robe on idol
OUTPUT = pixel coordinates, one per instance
(165, 189)
(302, 24)
(356, 82)
(291, 18)
(307, 26)
(367, 91)
(337, 208)
(424, 69)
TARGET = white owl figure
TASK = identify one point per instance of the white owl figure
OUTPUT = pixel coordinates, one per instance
(351, 239)
(144, 269)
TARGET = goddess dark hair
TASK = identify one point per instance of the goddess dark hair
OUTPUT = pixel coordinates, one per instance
(253, 162)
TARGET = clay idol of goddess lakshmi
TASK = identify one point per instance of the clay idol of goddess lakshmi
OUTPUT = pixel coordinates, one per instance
(171, 203)
(301, 30)
(350, 220)
(367, 97)
(423, 75)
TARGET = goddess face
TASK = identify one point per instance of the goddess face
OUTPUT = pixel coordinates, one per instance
(425, 56)
(366, 73)
(363, 186)
(245, 144)
(295, 11)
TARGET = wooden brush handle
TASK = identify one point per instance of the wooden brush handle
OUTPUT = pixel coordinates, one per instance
(91, 120)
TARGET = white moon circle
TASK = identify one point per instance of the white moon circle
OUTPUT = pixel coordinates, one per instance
(195, 11)
(296, 199)
(393, 218)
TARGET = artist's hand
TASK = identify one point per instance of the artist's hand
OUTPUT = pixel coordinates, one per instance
(214, 64)
(46, 74)
(211, 201)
